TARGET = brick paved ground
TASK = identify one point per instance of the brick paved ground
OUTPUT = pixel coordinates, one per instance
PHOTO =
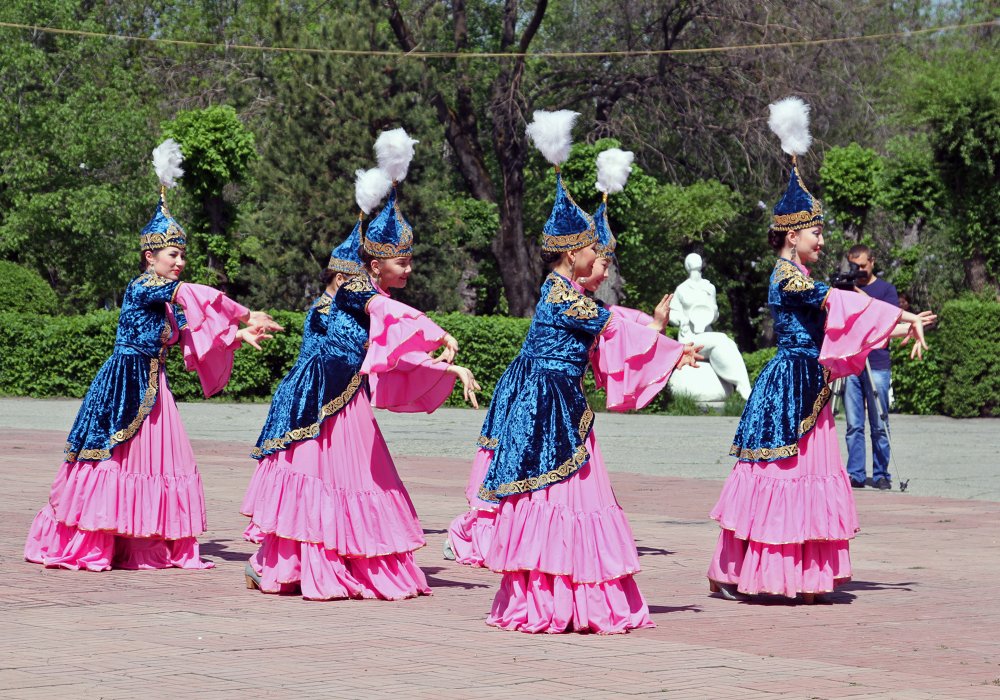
(921, 620)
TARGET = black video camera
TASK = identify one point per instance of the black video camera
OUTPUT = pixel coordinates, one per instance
(847, 280)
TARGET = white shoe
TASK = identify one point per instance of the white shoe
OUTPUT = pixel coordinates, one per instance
(447, 551)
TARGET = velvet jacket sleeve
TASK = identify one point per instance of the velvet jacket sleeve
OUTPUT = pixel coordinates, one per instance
(208, 337)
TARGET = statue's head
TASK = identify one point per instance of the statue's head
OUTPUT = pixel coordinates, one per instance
(692, 262)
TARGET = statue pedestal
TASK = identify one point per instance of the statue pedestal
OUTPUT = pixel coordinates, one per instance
(701, 383)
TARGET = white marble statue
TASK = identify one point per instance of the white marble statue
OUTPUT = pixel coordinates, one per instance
(693, 310)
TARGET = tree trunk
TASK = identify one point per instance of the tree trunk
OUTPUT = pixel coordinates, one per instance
(977, 278)
(746, 338)
(911, 232)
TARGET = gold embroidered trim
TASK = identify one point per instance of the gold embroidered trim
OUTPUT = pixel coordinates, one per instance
(148, 401)
(348, 267)
(824, 395)
(361, 283)
(553, 476)
(391, 250)
(799, 219)
(764, 453)
(790, 278)
(488, 443)
(807, 424)
(310, 431)
(580, 306)
(323, 304)
(151, 279)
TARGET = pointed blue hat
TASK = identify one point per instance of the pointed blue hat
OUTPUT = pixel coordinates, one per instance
(389, 235)
(162, 230)
(606, 242)
(569, 227)
(797, 209)
(346, 257)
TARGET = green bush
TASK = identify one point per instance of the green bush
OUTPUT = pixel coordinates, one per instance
(968, 344)
(59, 356)
(487, 344)
(24, 291)
(916, 385)
(46, 356)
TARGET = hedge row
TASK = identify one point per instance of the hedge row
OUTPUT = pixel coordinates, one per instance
(44, 356)
(50, 356)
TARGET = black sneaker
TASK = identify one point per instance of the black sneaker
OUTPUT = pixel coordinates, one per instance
(883, 484)
(855, 484)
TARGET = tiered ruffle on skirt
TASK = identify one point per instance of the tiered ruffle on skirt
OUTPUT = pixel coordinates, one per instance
(567, 555)
(140, 509)
(333, 518)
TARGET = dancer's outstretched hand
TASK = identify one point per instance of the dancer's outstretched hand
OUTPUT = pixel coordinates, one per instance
(450, 350)
(263, 321)
(915, 331)
(252, 335)
(469, 384)
(661, 314)
(690, 356)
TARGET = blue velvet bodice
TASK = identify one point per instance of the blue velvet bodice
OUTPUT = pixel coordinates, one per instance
(538, 422)
(326, 375)
(792, 388)
(125, 389)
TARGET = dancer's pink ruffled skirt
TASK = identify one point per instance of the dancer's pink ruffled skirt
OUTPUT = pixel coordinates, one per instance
(333, 518)
(567, 555)
(140, 509)
(471, 532)
(787, 525)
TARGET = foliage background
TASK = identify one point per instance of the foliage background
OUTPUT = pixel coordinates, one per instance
(906, 154)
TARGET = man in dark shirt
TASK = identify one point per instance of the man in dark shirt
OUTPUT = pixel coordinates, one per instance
(859, 393)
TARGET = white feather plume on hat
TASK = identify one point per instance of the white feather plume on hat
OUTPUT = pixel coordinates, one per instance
(167, 159)
(790, 121)
(551, 132)
(394, 151)
(370, 188)
(613, 168)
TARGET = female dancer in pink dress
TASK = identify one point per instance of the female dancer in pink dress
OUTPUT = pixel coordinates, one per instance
(469, 534)
(326, 505)
(559, 537)
(128, 494)
(787, 511)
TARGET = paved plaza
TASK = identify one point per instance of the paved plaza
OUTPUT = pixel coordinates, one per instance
(921, 619)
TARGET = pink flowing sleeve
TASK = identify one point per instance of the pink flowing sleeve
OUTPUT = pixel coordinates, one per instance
(209, 337)
(401, 375)
(633, 315)
(856, 324)
(632, 363)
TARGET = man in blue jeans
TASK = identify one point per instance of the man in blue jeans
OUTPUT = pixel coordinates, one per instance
(859, 393)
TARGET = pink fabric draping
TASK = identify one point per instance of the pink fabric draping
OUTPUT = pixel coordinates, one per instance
(470, 532)
(632, 363)
(402, 377)
(856, 324)
(209, 338)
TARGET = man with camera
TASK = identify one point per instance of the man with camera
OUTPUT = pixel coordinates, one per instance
(869, 390)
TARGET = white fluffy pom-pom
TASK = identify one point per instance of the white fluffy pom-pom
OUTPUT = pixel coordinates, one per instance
(790, 121)
(613, 168)
(167, 159)
(552, 134)
(370, 188)
(394, 151)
